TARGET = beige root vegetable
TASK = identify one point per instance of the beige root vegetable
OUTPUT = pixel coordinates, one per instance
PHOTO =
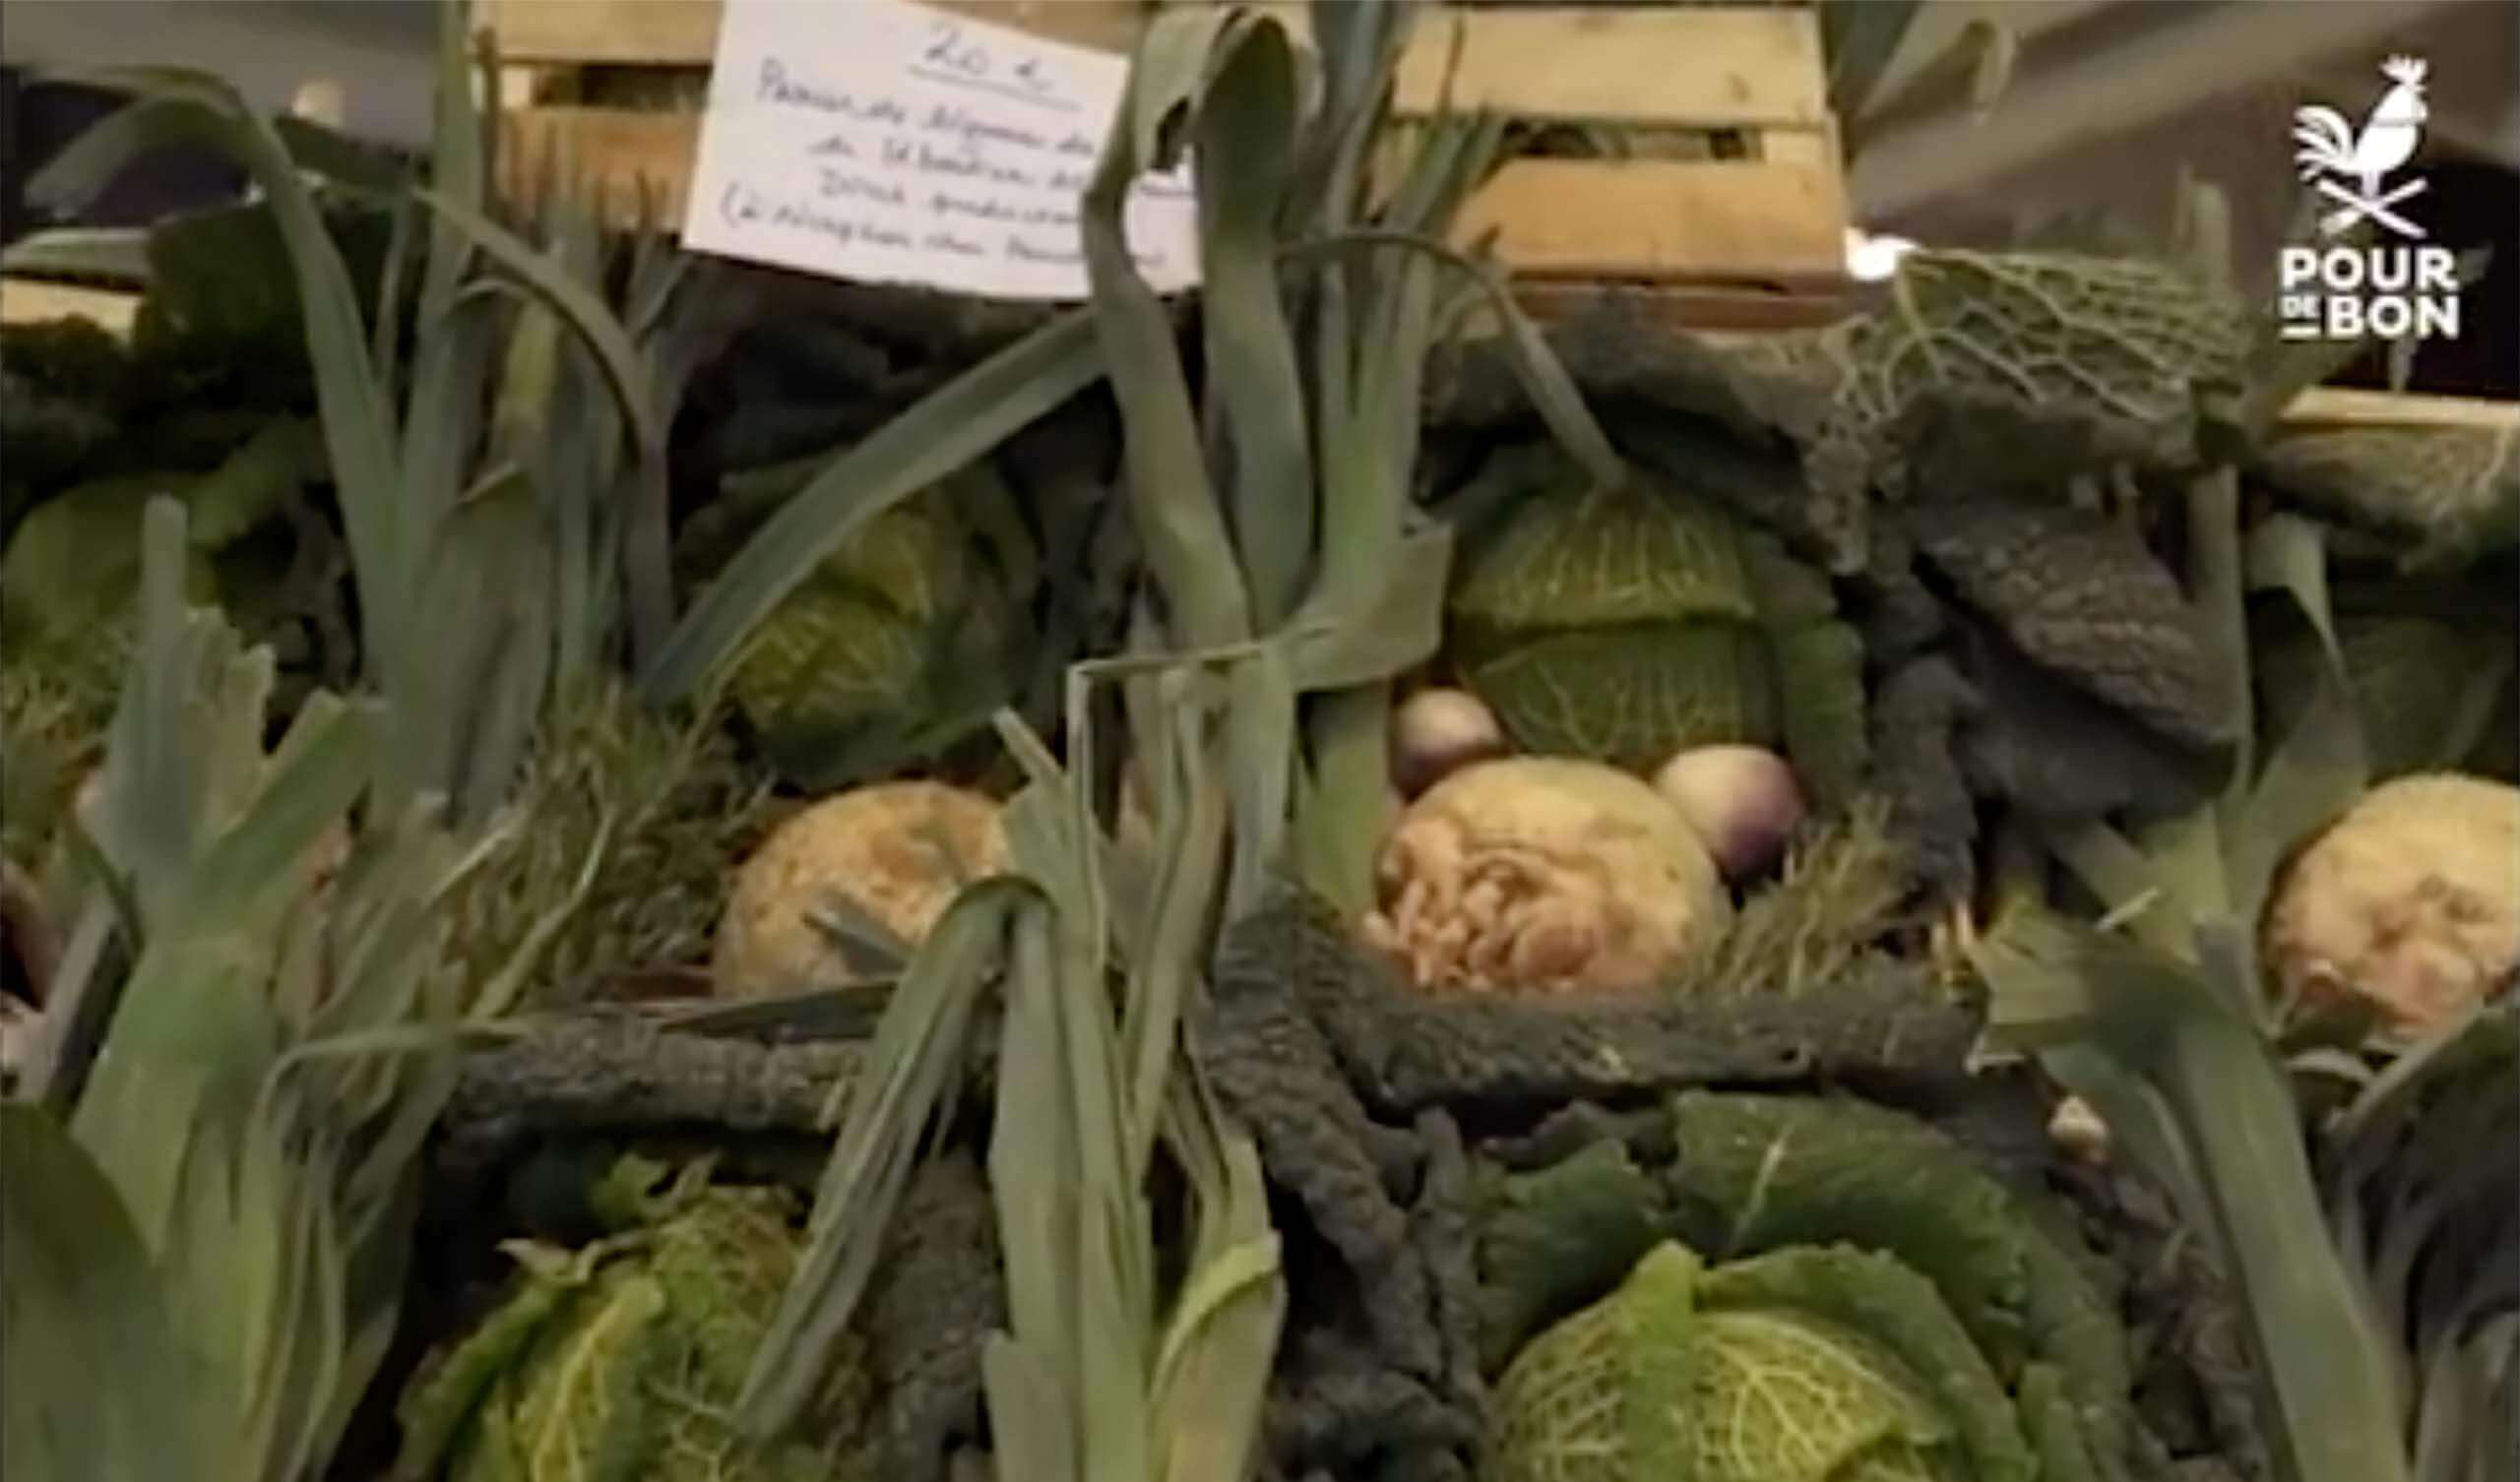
(2410, 900)
(896, 851)
(1742, 802)
(1541, 874)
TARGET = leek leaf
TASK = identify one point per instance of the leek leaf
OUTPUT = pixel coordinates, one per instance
(475, 692)
(1170, 488)
(1259, 766)
(457, 159)
(1544, 379)
(2318, 767)
(920, 1047)
(96, 1385)
(1400, 627)
(1191, 814)
(575, 306)
(1245, 144)
(1027, 1411)
(165, 761)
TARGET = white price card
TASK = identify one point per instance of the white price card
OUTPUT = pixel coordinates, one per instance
(886, 142)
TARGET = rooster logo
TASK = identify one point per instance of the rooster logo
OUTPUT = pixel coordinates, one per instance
(2330, 148)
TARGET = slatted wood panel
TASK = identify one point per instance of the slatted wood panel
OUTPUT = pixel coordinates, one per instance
(26, 300)
(684, 33)
(1691, 67)
(2341, 406)
(1753, 241)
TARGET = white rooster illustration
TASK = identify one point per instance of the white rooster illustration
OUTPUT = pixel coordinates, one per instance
(2329, 145)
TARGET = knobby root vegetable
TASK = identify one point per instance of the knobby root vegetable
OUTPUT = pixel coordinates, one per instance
(1543, 874)
(2410, 900)
(896, 851)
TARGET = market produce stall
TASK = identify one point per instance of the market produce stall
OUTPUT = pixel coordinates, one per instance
(623, 865)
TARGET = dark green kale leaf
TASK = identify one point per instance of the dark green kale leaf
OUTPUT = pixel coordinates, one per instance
(1755, 386)
(71, 359)
(1917, 715)
(943, 1294)
(1378, 1376)
(614, 1072)
(1274, 1071)
(1557, 1238)
(2082, 597)
(2449, 493)
(2052, 749)
(1398, 1052)
(1890, 604)
(1819, 661)
(220, 324)
(1985, 372)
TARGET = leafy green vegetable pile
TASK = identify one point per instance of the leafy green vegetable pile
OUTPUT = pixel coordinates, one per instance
(1988, 464)
(1452, 1178)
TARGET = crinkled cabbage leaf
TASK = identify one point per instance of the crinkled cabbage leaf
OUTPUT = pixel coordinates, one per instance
(622, 1360)
(1810, 1364)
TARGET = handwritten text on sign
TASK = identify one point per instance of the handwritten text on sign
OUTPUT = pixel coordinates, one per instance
(890, 143)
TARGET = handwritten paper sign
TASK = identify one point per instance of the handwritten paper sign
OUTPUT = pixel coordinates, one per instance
(890, 143)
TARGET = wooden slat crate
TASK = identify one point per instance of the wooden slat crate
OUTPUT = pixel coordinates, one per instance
(615, 87)
(30, 300)
(1725, 206)
(1730, 209)
(2328, 406)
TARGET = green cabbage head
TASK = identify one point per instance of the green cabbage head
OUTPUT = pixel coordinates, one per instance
(1811, 1364)
(621, 1361)
(896, 645)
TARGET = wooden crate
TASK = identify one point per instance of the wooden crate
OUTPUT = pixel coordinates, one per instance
(1729, 210)
(1749, 235)
(33, 300)
(559, 59)
(2325, 408)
